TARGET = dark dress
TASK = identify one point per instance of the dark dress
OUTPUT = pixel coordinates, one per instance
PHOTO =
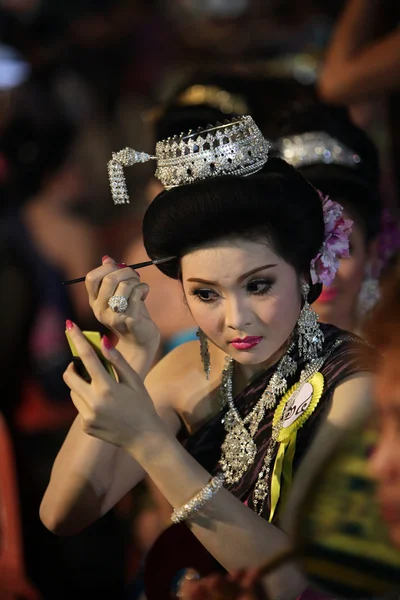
(178, 548)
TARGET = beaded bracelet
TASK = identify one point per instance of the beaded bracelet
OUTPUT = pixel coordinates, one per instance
(199, 500)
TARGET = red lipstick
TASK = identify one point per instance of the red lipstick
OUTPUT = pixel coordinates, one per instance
(245, 343)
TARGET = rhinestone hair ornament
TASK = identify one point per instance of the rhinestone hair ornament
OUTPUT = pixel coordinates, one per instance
(315, 147)
(236, 147)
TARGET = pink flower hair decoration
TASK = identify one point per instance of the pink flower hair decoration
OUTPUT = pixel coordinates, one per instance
(335, 246)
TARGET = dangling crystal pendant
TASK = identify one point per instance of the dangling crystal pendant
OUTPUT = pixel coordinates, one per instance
(310, 336)
(238, 453)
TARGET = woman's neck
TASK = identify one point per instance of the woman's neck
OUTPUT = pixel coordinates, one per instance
(245, 374)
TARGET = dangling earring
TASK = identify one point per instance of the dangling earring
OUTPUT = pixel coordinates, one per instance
(310, 336)
(369, 295)
(204, 352)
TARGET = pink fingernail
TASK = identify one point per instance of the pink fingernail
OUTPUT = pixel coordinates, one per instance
(107, 343)
(136, 273)
(122, 265)
(69, 325)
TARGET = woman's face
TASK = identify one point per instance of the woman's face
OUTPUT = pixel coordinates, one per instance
(243, 296)
(337, 303)
(385, 461)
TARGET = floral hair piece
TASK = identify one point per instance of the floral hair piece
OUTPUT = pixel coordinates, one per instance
(324, 266)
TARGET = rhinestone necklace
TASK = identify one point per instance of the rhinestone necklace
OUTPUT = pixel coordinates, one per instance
(239, 449)
(261, 488)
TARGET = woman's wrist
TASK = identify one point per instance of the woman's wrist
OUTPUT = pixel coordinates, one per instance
(140, 358)
(149, 443)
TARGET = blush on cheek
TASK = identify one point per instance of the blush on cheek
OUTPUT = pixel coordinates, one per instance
(281, 316)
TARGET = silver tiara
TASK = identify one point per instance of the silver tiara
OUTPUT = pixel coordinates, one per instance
(236, 147)
(315, 147)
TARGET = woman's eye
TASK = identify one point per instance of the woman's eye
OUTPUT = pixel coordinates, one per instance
(205, 295)
(259, 287)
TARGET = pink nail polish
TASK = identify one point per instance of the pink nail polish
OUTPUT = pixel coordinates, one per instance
(104, 258)
(107, 343)
(69, 325)
(122, 265)
(136, 273)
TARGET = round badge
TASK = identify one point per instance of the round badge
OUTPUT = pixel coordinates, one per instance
(297, 406)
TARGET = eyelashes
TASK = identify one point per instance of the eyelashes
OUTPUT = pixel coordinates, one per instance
(257, 287)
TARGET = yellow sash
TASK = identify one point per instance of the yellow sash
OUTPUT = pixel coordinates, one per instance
(291, 414)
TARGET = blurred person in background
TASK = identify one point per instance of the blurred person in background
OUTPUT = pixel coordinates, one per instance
(44, 243)
(361, 70)
(341, 161)
(362, 62)
(383, 330)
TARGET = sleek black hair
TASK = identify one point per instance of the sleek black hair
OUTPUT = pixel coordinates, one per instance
(277, 205)
(356, 188)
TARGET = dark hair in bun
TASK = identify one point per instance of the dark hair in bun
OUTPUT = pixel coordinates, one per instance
(276, 204)
(356, 187)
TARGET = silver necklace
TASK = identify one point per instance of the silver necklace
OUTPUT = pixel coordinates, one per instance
(239, 449)
(262, 486)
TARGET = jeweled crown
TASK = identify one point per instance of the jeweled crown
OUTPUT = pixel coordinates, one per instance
(236, 147)
(315, 147)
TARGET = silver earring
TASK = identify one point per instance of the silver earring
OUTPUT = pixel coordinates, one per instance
(367, 298)
(204, 352)
(310, 337)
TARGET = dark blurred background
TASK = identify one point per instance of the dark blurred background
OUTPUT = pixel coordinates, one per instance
(78, 80)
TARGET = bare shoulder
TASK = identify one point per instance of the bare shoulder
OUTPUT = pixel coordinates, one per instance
(351, 403)
(352, 400)
(179, 367)
(178, 381)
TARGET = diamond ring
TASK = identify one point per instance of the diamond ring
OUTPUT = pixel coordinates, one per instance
(118, 304)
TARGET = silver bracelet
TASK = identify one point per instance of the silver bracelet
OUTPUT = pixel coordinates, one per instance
(199, 500)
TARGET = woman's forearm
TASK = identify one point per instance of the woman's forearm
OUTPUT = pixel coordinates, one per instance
(88, 477)
(140, 359)
(231, 532)
(355, 28)
(356, 64)
(373, 72)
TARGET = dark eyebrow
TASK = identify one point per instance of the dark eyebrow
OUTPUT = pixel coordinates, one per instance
(241, 278)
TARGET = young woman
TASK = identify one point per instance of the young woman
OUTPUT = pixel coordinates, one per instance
(339, 159)
(249, 239)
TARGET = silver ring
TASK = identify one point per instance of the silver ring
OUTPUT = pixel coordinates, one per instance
(118, 304)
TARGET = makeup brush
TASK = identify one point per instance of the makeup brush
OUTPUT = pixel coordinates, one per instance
(157, 261)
